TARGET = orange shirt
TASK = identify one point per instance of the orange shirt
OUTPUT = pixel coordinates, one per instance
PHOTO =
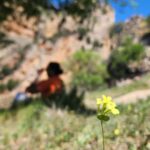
(50, 86)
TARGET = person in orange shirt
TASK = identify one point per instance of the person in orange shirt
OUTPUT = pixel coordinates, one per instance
(50, 86)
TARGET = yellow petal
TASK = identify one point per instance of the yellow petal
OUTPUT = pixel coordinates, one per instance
(110, 107)
(104, 96)
(99, 101)
(116, 131)
(112, 104)
(107, 99)
(115, 111)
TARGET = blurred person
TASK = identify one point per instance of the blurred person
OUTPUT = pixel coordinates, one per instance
(49, 86)
(46, 88)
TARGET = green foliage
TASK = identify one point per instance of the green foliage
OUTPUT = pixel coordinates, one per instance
(83, 9)
(78, 8)
(148, 20)
(103, 117)
(82, 32)
(71, 100)
(2, 88)
(60, 129)
(10, 85)
(89, 72)
(30, 7)
(6, 70)
(116, 29)
(120, 60)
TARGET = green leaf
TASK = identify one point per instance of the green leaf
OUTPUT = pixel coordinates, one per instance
(103, 117)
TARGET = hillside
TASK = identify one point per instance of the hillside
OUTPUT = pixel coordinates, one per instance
(98, 57)
(30, 44)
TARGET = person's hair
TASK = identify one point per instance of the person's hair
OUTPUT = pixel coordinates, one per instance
(54, 69)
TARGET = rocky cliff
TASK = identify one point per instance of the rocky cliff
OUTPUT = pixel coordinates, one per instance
(137, 28)
(31, 43)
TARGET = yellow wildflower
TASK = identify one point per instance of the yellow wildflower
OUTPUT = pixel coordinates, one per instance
(116, 132)
(106, 106)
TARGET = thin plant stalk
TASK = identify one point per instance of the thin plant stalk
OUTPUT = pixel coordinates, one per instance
(103, 135)
(106, 107)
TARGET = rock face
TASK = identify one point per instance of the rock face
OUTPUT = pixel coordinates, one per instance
(136, 27)
(139, 30)
(92, 33)
(51, 38)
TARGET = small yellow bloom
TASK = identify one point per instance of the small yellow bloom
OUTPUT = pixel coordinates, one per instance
(107, 99)
(99, 101)
(115, 111)
(116, 132)
(106, 106)
(129, 107)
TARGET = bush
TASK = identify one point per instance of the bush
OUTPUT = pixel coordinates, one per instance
(11, 84)
(2, 88)
(148, 20)
(82, 32)
(88, 70)
(6, 70)
(116, 29)
(124, 61)
(71, 100)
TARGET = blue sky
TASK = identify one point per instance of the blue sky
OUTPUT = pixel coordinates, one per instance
(122, 13)
(57, 3)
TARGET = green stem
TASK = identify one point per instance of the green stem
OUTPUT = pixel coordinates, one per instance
(103, 135)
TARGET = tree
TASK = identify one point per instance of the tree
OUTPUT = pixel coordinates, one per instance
(80, 8)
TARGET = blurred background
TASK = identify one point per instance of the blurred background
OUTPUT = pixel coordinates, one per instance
(100, 47)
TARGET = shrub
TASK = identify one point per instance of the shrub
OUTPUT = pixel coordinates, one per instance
(148, 20)
(2, 88)
(71, 100)
(6, 70)
(89, 72)
(116, 29)
(82, 32)
(11, 84)
(123, 59)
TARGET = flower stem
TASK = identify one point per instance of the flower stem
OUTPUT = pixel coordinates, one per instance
(103, 135)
